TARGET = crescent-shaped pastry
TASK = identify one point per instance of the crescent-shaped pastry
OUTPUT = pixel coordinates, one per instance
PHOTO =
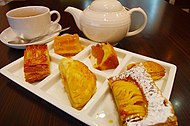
(79, 82)
(139, 101)
(156, 70)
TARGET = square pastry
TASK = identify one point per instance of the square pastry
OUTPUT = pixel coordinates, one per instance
(36, 63)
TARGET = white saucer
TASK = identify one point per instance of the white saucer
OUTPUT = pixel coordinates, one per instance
(9, 35)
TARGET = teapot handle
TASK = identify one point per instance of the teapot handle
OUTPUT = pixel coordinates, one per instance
(142, 26)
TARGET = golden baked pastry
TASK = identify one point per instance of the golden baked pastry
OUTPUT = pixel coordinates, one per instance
(67, 45)
(139, 101)
(103, 56)
(36, 63)
(156, 70)
(129, 99)
(79, 82)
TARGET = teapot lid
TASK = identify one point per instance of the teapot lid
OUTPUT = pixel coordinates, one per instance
(106, 6)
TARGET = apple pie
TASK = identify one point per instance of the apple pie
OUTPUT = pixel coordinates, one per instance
(139, 101)
(79, 82)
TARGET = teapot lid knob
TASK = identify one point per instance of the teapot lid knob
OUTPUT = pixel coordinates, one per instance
(106, 6)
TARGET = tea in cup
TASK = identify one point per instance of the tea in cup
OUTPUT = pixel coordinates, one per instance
(31, 21)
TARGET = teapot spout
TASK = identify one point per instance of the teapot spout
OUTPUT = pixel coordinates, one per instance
(76, 13)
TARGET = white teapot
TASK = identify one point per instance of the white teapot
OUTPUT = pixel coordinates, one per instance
(106, 21)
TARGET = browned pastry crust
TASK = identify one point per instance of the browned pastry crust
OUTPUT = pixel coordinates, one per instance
(139, 101)
(36, 63)
(79, 82)
(156, 70)
(67, 45)
(104, 57)
(129, 99)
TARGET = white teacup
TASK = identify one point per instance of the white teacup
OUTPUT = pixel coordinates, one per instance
(31, 21)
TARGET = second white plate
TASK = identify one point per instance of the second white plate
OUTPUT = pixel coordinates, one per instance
(9, 35)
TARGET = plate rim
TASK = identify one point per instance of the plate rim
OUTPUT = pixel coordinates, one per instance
(22, 46)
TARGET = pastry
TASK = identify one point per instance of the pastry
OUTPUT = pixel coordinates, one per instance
(36, 63)
(103, 56)
(139, 101)
(154, 69)
(79, 82)
(67, 45)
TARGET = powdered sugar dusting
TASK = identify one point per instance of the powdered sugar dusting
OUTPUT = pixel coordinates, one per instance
(158, 109)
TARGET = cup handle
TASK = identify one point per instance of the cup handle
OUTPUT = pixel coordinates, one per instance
(58, 16)
(142, 26)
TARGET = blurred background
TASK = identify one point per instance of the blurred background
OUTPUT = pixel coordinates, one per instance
(183, 4)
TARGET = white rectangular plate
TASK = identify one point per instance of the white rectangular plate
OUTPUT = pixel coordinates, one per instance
(101, 109)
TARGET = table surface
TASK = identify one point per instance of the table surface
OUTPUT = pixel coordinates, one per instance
(166, 37)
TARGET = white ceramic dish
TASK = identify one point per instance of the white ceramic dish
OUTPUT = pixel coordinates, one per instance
(9, 35)
(101, 109)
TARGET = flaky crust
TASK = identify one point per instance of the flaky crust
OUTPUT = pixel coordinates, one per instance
(36, 63)
(67, 45)
(129, 99)
(156, 70)
(130, 103)
(79, 82)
